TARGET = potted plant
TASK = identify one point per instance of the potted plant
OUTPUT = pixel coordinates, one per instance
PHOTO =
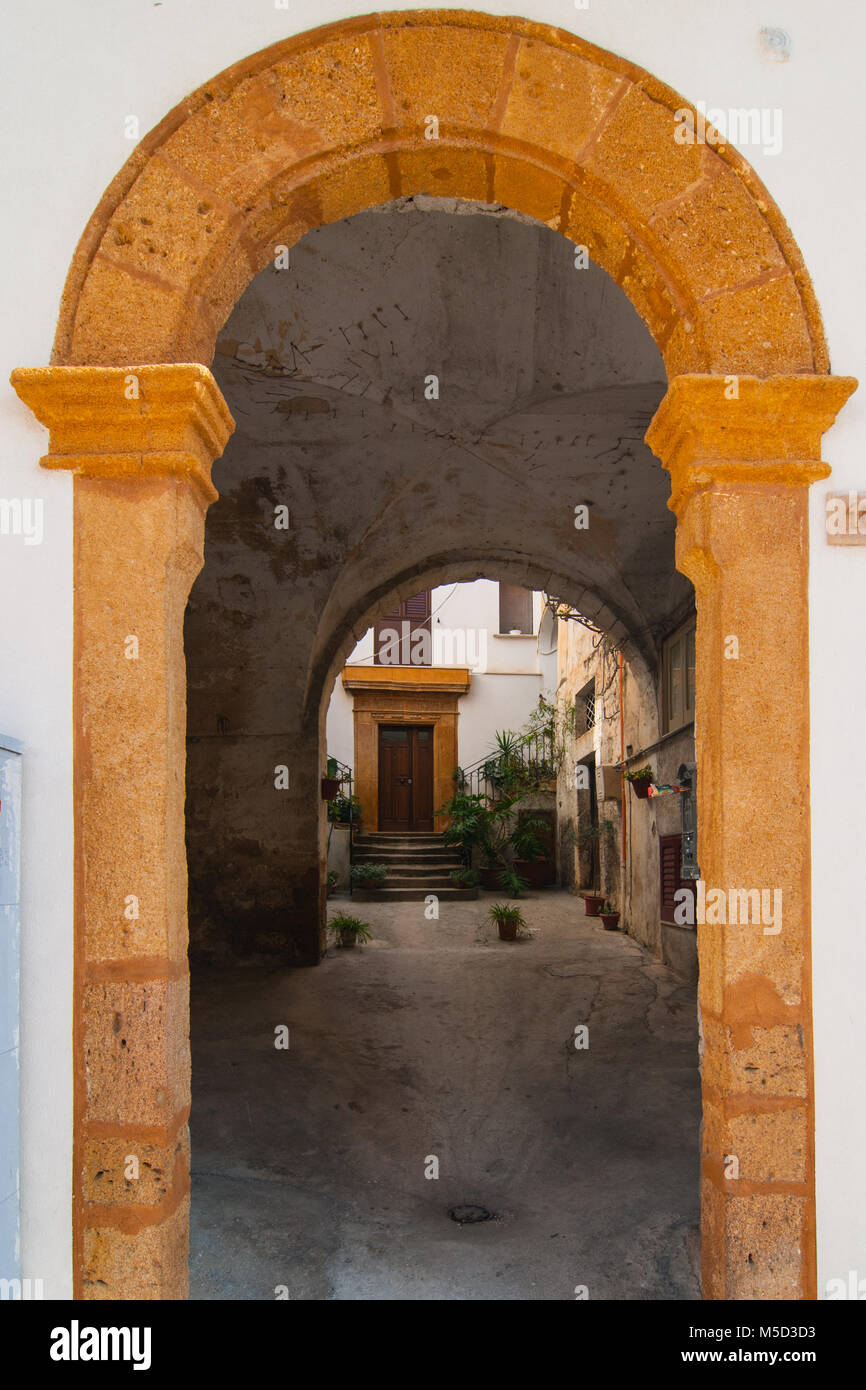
(367, 876)
(350, 930)
(593, 902)
(530, 860)
(330, 781)
(513, 882)
(508, 919)
(465, 878)
(640, 781)
(609, 917)
(333, 880)
(477, 825)
(342, 809)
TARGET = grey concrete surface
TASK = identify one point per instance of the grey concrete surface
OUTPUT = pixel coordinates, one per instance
(436, 1039)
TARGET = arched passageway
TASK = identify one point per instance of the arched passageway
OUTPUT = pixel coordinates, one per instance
(301, 135)
(345, 488)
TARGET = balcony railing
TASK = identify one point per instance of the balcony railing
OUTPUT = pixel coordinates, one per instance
(343, 802)
(523, 765)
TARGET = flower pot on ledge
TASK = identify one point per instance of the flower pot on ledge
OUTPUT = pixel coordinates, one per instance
(330, 788)
(640, 786)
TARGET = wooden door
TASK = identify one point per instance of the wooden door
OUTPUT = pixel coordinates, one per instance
(405, 777)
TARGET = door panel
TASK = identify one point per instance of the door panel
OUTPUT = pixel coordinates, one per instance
(422, 779)
(405, 777)
(395, 773)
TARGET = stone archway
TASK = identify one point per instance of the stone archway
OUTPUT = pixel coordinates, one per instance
(308, 132)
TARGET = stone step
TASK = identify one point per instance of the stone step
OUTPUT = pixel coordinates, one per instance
(401, 842)
(412, 895)
(406, 856)
(433, 882)
(416, 870)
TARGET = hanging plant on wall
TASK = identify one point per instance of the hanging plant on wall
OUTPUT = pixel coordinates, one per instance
(641, 781)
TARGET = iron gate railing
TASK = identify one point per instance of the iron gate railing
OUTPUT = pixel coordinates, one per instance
(343, 774)
(528, 762)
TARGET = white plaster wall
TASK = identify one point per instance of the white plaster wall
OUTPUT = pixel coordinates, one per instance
(72, 76)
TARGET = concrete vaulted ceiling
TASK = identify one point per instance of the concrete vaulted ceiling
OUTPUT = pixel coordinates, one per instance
(547, 380)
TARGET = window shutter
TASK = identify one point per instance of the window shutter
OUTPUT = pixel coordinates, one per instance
(415, 611)
(670, 857)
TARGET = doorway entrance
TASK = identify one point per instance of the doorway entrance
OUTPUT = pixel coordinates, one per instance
(405, 777)
(584, 142)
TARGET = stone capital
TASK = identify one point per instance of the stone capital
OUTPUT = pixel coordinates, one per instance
(711, 429)
(130, 422)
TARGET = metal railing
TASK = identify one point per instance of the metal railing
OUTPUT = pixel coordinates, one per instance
(343, 774)
(527, 763)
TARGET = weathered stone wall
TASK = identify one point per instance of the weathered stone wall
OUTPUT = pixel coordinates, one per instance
(631, 879)
(324, 366)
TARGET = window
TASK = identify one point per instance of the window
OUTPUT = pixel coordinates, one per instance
(678, 678)
(584, 709)
(515, 609)
(403, 638)
(670, 875)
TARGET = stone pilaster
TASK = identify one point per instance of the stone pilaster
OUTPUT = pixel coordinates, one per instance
(741, 453)
(140, 442)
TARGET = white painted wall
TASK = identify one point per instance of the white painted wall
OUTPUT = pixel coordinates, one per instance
(72, 76)
(510, 674)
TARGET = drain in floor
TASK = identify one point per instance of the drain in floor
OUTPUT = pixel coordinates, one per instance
(469, 1215)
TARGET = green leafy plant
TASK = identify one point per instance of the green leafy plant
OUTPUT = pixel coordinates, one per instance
(504, 912)
(368, 875)
(332, 768)
(333, 878)
(339, 809)
(350, 930)
(640, 773)
(476, 823)
(465, 878)
(527, 840)
(509, 921)
(513, 882)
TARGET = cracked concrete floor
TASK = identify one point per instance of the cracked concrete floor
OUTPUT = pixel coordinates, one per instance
(436, 1039)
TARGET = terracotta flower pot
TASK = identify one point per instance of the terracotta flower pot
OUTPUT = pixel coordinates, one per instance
(640, 786)
(535, 871)
(490, 877)
(610, 920)
(330, 788)
(593, 903)
(507, 931)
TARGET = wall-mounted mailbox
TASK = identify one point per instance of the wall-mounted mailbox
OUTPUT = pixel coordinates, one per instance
(610, 783)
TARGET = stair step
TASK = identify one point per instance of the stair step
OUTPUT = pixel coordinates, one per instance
(407, 856)
(433, 882)
(400, 842)
(415, 870)
(412, 895)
